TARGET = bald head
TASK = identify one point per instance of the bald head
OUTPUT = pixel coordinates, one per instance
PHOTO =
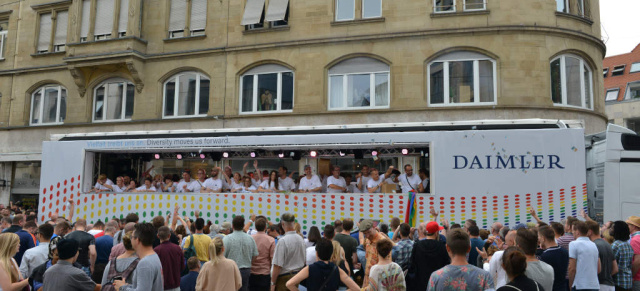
(495, 228)
(129, 227)
(510, 238)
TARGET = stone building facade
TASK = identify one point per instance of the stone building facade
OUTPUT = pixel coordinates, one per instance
(82, 66)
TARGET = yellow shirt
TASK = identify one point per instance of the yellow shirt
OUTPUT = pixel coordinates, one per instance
(201, 244)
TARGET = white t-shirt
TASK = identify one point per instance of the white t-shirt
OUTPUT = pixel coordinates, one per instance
(270, 186)
(192, 185)
(585, 252)
(365, 180)
(213, 184)
(144, 188)
(117, 189)
(235, 185)
(308, 184)
(287, 184)
(373, 183)
(248, 190)
(256, 182)
(353, 188)
(310, 255)
(407, 182)
(335, 181)
(102, 187)
(496, 271)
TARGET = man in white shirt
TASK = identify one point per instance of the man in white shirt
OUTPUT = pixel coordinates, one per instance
(310, 182)
(214, 184)
(103, 184)
(335, 183)
(363, 178)
(147, 187)
(408, 181)
(287, 184)
(584, 262)
(377, 181)
(496, 271)
(187, 184)
(37, 256)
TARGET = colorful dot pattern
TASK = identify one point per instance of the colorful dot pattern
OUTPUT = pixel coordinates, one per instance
(314, 209)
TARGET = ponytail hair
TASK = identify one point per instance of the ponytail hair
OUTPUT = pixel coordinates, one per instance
(514, 262)
(215, 250)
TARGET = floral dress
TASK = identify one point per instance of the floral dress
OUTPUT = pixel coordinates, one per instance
(388, 277)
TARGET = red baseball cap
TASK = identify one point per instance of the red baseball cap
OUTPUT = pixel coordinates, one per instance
(433, 227)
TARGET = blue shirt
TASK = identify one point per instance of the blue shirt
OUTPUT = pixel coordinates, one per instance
(558, 258)
(476, 242)
(188, 281)
(103, 248)
(26, 242)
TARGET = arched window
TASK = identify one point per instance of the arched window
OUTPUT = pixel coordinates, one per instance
(48, 105)
(461, 78)
(571, 82)
(266, 88)
(113, 100)
(358, 83)
(186, 94)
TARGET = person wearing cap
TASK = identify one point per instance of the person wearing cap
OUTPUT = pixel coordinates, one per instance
(289, 255)
(63, 275)
(187, 184)
(310, 182)
(427, 256)
(372, 236)
(634, 229)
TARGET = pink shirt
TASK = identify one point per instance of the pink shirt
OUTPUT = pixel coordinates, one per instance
(635, 245)
(117, 250)
(266, 244)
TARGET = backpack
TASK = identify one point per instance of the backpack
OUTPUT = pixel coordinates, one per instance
(113, 273)
(188, 253)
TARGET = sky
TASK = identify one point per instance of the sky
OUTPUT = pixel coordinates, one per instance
(618, 18)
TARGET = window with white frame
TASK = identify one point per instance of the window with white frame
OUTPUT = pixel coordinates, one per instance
(475, 5)
(462, 78)
(633, 91)
(113, 100)
(612, 95)
(178, 20)
(345, 10)
(359, 83)
(618, 70)
(371, 8)
(444, 6)
(562, 6)
(571, 82)
(635, 67)
(4, 27)
(186, 95)
(605, 71)
(111, 18)
(267, 88)
(48, 105)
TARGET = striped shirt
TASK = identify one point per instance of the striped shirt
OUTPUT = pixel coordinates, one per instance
(564, 240)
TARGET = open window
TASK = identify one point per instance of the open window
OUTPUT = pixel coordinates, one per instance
(618, 70)
(267, 89)
(444, 6)
(612, 95)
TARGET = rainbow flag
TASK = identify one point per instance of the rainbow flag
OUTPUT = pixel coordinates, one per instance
(412, 206)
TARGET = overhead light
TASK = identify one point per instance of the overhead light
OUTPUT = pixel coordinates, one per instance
(225, 155)
(281, 155)
(295, 155)
(179, 156)
(313, 154)
(405, 152)
(202, 156)
(374, 153)
(157, 156)
(342, 154)
(253, 154)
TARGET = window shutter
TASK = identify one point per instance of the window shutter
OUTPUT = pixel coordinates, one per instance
(253, 12)
(198, 14)
(277, 10)
(45, 32)
(61, 28)
(85, 18)
(104, 17)
(123, 19)
(2, 35)
(178, 15)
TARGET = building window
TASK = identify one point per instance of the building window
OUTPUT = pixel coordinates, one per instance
(562, 6)
(109, 20)
(278, 13)
(359, 83)
(618, 70)
(345, 10)
(44, 34)
(60, 36)
(475, 5)
(571, 82)
(633, 91)
(267, 88)
(584, 8)
(254, 16)
(605, 71)
(462, 78)
(4, 27)
(48, 105)
(371, 8)
(113, 101)
(633, 124)
(186, 95)
(635, 67)
(612, 95)
(178, 18)
(444, 6)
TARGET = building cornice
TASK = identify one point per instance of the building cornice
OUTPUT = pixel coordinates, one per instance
(52, 5)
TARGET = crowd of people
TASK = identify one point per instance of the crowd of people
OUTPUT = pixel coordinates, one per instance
(368, 180)
(181, 253)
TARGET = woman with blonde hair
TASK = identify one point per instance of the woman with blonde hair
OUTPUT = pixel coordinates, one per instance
(9, 247)
(219, 273)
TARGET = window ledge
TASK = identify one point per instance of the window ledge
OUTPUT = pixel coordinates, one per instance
(46, 124)
(358, 21)
(267, 29)
(48, 54)
(108, 40)
(572, 106)
(184, 117)
(265, 113)
(185, 38)
(575, 17)
(462, 13)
